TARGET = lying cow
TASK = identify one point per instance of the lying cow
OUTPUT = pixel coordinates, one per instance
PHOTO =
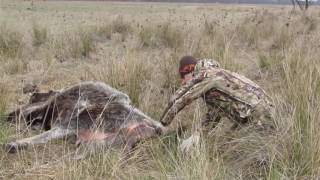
(92, 111)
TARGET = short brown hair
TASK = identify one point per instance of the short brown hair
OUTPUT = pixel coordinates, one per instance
(187, 65)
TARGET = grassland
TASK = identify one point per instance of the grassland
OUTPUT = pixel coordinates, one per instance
(135, 47)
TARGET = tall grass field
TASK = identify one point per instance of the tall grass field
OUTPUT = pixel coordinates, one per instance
(136, 47)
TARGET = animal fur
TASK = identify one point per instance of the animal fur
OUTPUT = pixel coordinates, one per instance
(92, 111)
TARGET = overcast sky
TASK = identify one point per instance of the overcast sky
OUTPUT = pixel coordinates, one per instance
(263, 1)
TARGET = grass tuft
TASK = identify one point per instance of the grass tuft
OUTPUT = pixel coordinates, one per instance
(164, 34)
(4, 130)
(148, 37)
(170, 36)
(11, 43)
(40, 34)
(86, 44)
(119, 25)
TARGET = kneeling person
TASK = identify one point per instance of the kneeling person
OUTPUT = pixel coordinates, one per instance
(227, 94)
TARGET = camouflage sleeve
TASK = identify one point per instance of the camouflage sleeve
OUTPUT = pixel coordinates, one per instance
(185, 88)
(184, 96)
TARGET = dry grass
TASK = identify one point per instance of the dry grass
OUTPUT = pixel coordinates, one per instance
(164, 34)
(138, 53)
(10, 42)
(40, 35)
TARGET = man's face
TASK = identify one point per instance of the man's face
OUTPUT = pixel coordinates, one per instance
(186, 78)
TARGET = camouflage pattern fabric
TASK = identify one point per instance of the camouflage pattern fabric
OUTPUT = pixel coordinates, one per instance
(227, 94)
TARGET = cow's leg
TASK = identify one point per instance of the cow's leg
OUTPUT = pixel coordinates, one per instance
(91, 141)
(129, 136)
(55, 133)
(28, 113)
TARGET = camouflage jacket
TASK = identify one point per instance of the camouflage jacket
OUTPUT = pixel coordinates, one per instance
(234, 94)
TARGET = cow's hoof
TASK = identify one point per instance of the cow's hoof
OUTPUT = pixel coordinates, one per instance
(14, 147)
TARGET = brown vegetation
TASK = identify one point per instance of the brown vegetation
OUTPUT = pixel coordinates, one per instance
(138, 53)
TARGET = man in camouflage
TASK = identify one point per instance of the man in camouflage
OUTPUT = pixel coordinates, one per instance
(227, 94)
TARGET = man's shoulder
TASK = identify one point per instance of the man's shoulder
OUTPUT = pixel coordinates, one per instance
(236, 77)
(239, 87)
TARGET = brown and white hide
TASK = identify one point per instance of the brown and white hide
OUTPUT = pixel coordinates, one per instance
(92, 111)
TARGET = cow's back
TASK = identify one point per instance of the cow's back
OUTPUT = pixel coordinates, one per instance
(94, 96)
(93, 92)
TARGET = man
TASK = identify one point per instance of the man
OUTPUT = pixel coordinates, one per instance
(227, 94)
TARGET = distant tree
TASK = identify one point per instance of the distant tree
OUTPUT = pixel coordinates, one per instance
(303, 5)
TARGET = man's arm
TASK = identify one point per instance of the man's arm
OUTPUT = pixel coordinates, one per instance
(185, 88)
(194, 92)
(182, 90)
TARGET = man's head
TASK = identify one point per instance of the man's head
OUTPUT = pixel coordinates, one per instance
(186, 68)
(189, 65)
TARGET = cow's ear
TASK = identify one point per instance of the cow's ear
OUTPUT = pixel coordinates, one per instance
(34, 94)
(30, 88)
(33, 97)
(52, 92)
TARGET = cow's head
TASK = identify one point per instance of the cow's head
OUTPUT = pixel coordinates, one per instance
(41, 96)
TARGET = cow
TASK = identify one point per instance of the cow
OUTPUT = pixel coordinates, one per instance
(93, 112)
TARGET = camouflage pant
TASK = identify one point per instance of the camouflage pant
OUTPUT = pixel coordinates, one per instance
(262, 117)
